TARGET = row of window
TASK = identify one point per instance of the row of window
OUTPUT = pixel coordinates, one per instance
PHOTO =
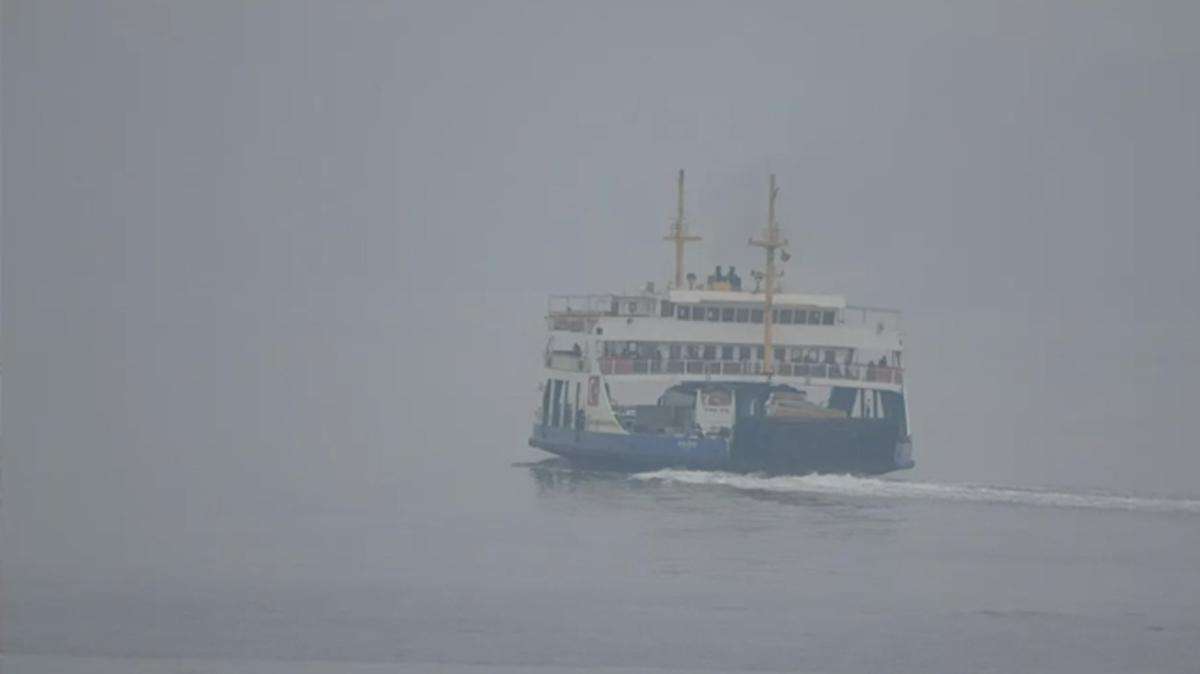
(719, 314)
(726, 352)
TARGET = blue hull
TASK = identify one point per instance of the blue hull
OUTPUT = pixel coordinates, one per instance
(863, 447)
(637, 450)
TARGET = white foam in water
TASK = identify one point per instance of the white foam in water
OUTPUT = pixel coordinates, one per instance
(897, 489)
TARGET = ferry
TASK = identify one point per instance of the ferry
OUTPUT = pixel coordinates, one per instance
(724, 375)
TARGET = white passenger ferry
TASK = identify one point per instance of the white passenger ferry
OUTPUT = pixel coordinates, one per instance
(724, 375)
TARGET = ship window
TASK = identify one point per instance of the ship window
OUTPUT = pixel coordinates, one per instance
(785, 316)
(727, 315)
(546, 403)
(674, 350)
(743, 315)
(827, 318)
(710, 352)
(779, 354)
(666, 309)
(714, 314)
(693, 351)
(758, 353)
(756, 315)
(775, 316)
(556, 410)
(801, 317)
(632, 308)
(830, 356)
(683, 313)
(743, 353)
(726, 353)
(814, 318)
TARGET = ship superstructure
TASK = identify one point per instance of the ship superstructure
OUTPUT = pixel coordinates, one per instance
(722, 375)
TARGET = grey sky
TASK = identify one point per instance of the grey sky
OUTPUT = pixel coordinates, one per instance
(253, 249)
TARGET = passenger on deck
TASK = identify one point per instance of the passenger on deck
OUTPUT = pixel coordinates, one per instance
(735, 281)
(576, 351)
(716, 278)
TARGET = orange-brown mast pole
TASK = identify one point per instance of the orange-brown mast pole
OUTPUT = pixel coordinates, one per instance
(770, 243)
(679, 234)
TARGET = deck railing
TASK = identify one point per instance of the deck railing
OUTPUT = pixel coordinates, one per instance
(852, 372)
(570, 323)
(566, 361)
(876, 318)
(602, 305)
(576, 313)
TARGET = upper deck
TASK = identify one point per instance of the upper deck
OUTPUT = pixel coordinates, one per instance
(716, 335)
(700, 312)
(715, 329)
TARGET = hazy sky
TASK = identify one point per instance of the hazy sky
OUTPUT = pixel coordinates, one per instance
(258, 252)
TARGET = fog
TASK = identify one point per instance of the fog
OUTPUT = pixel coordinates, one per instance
(278, 267)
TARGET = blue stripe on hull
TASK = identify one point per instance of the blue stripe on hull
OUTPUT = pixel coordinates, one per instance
(637, 449)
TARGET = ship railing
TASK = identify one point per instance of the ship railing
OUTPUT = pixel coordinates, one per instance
(877, 318)
(568, 362)
(690, 366)
(580, 304)
(571, 322)
(601, 305)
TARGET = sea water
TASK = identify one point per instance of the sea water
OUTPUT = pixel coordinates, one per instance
(543, 566)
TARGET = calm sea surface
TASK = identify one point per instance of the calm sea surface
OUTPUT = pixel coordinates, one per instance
(539, 565)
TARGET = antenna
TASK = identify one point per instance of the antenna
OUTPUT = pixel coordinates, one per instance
(770, 244)
(679, 234)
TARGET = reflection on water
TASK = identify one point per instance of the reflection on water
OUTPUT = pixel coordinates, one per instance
(561, 474)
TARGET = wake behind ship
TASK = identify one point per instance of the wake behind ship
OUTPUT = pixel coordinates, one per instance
(718, 376)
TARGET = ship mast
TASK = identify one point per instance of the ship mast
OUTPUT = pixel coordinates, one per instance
(770, 244)
(679, 234)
